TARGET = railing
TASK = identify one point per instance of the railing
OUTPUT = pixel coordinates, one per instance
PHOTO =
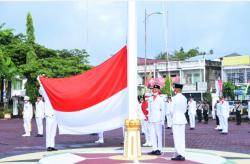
(172, 65)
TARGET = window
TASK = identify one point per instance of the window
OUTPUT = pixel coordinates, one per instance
(196, 78)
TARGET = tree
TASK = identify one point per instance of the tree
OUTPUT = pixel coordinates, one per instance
(182, 54)
(228, 90)
(20, 55)
(167, 88)
(32, 65)
(7, 67)
(30, 30)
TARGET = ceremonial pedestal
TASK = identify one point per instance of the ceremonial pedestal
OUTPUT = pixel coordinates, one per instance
(132, 139)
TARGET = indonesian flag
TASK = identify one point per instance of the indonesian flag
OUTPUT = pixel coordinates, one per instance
(92, 102)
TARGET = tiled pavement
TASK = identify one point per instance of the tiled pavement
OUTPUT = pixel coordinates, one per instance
(203, 137)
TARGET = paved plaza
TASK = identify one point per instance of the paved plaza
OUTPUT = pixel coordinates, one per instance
(203, 139)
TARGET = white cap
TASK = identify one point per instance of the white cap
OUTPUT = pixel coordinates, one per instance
(26, 98)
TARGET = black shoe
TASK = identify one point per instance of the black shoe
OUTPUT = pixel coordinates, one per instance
(39, 135)
(152, 152)
(157, 152)
(178, 158)
(224, 133)
(191, 128)
(49, 149)
(168, 127)
(53, 149)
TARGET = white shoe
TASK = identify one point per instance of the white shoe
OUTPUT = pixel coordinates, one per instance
(145, 144)
(26, 135)
(99, 141)
(217, 127)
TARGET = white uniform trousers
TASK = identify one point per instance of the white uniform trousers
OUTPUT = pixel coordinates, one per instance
(100, 136)
(192, 120)
(220, 121)
(27, 125)
(169, 120)
(39, 123)
(179, 139)
(145, 125)
(224, 124)
(51, 126)
(249, 113)
(156, 135)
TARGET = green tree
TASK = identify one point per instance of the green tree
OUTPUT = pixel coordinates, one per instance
(30, 30)
(7, 67)
(167, 88)
(228, 90)
(20, 55)
(31, 66)
(182, 54)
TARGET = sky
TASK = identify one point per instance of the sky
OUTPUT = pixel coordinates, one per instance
(100, 26)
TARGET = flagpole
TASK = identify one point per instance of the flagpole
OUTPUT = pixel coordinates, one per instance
(132, 143)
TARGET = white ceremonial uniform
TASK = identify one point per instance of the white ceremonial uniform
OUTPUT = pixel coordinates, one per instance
(156, 118)
(168, 109)
(179, 121)
(248, 107)
(27, 116)
(219, 114)
(51, 124)
(225, 114)
(40, 114)
(192, 113)
(144, 125)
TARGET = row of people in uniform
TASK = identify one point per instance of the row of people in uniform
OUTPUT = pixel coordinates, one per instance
(153, 111)
(41, 112)
(196, 109)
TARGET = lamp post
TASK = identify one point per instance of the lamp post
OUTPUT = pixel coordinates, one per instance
(146, 16)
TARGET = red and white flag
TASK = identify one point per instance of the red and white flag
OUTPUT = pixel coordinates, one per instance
(94, 101)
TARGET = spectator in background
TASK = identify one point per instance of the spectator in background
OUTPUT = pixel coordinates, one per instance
(199, 111)
(217, 110)
(205, 111)
(239, 111)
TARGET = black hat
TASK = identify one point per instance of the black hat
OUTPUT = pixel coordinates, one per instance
(156, 86)
(178, 86)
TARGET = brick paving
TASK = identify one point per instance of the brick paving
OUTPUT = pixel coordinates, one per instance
(203, 137)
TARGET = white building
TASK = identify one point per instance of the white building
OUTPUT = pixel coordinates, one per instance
(197, 76)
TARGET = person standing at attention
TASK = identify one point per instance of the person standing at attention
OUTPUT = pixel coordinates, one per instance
(40, 114)
(156, 120)
(192, 112)
(179, 122)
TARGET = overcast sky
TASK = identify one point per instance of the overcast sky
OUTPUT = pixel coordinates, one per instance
(100, 27)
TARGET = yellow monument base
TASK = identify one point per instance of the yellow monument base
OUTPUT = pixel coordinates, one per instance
(132, 139)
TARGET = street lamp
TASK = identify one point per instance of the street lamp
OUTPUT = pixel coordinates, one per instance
(147, 15)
